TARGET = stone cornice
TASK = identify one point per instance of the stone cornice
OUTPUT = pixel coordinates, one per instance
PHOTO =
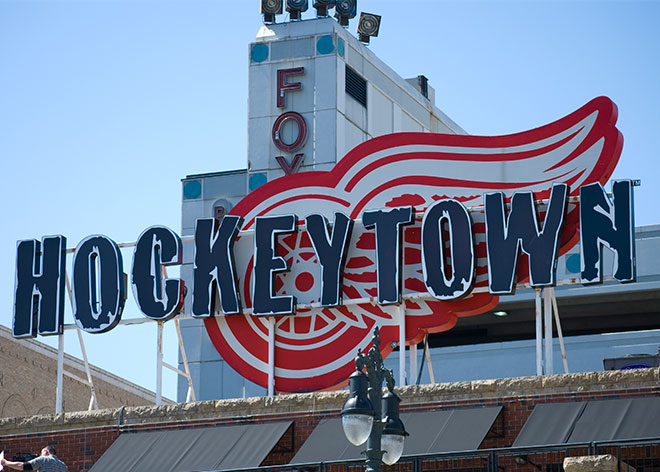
(263, 408)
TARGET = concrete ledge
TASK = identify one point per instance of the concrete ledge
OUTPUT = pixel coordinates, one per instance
(532, 386)
(605, 463)
(263, 407)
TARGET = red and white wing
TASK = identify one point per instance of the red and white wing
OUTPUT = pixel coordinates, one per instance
(315, 348)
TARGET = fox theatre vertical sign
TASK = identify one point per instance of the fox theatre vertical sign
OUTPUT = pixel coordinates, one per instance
(408, 230)
(284, 86)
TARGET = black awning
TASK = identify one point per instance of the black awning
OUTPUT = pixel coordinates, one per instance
(625, 418)
(549, 423)
(595, 420)
(184, 450)
(447, 430)
(327, 443)
(430, 432)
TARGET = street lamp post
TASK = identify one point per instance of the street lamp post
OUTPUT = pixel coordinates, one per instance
(368, 415)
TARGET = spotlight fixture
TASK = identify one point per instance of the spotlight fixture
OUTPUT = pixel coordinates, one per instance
(270, 8)
(296, 7)
(322, 7)
(368, 26)
(345, 10)
(500, 313)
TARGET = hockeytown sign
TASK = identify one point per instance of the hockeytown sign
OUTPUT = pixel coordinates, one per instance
(419, 228)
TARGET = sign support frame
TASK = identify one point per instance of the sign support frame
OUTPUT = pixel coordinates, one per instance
(539, 332)
(401, 311)
(547, 321)
(559, 332)
(271, 356)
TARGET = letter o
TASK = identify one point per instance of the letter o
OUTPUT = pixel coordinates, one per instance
(302, 131)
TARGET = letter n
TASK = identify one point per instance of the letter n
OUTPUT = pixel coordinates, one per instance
(603, 223)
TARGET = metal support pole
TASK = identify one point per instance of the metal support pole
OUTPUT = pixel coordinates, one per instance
(539, 334)
(427, 353)
(159, 365)
(547, 315)
(60, 374)
(271, 355)
(93, 404)
(374, 454)
(372, 362)
(402, 345)
(559, 332)
(413, 363)
(90, 382)
(191, 390)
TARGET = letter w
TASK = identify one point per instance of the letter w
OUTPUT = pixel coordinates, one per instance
(520, 230)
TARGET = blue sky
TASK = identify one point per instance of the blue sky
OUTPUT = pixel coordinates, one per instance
(106, 105)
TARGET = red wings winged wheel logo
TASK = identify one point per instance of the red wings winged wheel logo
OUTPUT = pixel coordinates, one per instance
(315, 348)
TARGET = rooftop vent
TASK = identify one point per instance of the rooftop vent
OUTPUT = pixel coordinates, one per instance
(356, 86)
(421, 83)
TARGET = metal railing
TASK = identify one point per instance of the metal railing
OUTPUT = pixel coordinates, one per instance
(643, 454)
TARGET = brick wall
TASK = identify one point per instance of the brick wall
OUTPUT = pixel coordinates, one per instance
(83, 437)
(28, 378)
(79, 449)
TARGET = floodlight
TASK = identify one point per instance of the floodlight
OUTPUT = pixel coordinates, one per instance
(270, 8)
(368, 26)
(296, 7)
(322, 7)
(345, 10)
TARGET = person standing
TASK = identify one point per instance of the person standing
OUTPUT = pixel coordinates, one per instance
(46, 462)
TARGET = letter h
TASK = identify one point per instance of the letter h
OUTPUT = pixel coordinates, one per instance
(39, 287)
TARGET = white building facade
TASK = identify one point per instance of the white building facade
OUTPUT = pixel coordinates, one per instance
(316, 92)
